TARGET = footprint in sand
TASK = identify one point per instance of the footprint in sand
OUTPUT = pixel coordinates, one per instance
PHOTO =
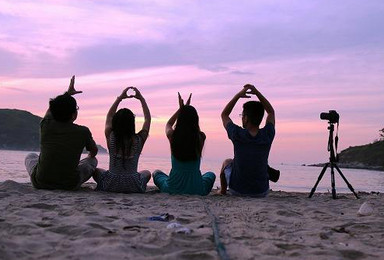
(288, 213)
(352, 254)
(290, 246)
(42, 206)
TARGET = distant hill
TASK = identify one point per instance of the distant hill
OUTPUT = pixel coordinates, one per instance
(369, 156)
(20, 130)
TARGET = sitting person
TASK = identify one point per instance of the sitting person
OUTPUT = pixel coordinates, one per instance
(124, 147)
(187, 142)
(61, 144)
(248, 173)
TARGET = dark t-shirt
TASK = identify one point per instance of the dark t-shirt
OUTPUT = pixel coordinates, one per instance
(249, 170)
(61, 146)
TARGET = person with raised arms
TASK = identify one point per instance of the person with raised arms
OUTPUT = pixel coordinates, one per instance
(248, 173)
(187, 142)
(61, 144)
(125, 146)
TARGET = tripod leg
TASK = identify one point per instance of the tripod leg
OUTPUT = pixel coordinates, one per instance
(318, 180)
(346, 181)
(333, 182)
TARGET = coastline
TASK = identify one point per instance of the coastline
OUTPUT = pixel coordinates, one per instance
(356, 166)
(98, 225)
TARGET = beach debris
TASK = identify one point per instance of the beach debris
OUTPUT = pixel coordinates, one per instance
(165, 217)
(174, 225)
(184, 230)
(340, 229)
(179, 228)
(365, 209)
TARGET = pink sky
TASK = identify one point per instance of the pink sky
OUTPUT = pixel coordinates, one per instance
(306, 58)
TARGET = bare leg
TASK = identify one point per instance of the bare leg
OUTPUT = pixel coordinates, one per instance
(223, 180)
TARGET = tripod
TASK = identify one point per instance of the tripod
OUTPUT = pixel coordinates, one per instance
(332, 163)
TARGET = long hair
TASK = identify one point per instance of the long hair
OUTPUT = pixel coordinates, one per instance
(123, 127)
(186, 141)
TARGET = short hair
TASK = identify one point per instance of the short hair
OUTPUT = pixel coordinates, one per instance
(254, 110)
(62, 107)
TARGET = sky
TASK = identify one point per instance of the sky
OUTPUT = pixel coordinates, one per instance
(305, 57)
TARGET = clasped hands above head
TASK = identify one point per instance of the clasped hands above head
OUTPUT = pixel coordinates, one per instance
(134, 93)
(248, 89)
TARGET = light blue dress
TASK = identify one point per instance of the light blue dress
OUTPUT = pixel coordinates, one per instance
(185, 178)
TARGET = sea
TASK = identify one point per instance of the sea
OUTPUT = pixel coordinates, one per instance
(293, 178)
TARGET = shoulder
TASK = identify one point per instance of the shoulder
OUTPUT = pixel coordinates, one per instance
(269, 130)
(231, 127)
(269, 127)
(82, 129)
(47, 119)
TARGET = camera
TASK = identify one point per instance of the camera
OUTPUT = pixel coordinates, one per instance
(332, 116)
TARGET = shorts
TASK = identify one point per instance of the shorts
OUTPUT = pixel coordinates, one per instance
(228, 172)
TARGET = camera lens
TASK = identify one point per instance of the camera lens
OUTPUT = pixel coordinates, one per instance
(332, 116)
(324, 116)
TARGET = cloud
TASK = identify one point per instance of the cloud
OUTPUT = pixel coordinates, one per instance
(138, 34)
(110, 57)
(306, 57)
(9, 62)
(16, 89)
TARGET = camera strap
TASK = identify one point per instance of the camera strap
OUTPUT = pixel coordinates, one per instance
(337, 142)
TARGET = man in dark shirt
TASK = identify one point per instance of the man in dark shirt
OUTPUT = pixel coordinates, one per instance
(61, 145)
(247, 173)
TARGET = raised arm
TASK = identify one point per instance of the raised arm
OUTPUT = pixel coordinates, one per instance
(229, 107)
(267, 106)
(71, 88)
(91, 146)
(112, 111)
(71, 91)
(147, 113)
(172, 120)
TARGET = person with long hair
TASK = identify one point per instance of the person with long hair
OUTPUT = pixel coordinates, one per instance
(187, 142)
(125, 146)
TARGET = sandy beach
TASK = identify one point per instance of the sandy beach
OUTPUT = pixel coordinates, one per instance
(41, 224)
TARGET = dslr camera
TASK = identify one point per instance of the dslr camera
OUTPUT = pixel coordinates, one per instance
(332, 116)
